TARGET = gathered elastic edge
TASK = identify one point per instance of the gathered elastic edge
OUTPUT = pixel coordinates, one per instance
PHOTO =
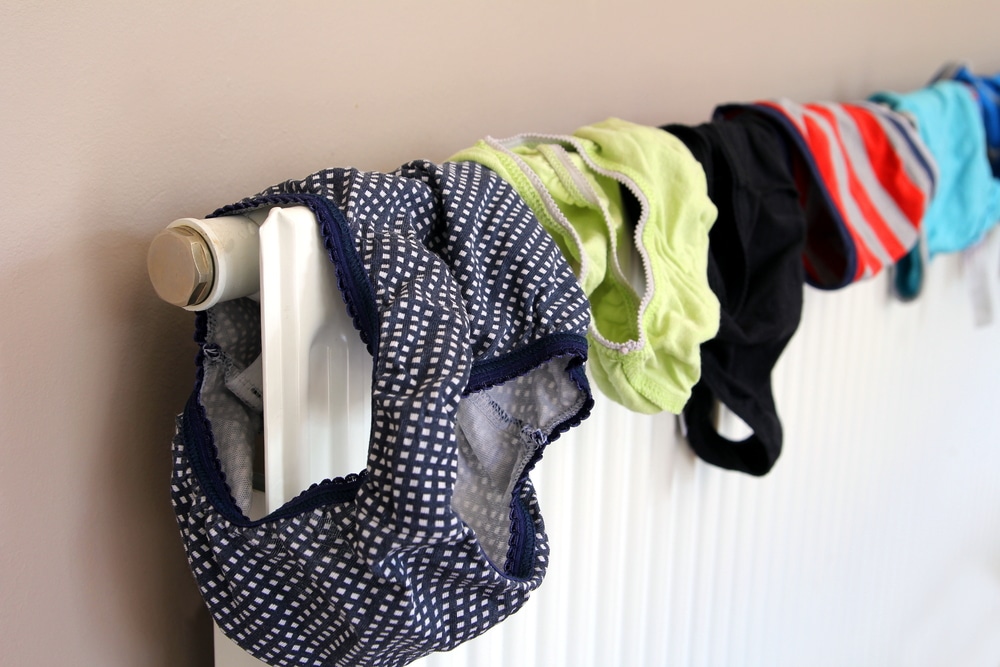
(639, 304)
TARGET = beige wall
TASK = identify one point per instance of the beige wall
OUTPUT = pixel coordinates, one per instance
(117, 117)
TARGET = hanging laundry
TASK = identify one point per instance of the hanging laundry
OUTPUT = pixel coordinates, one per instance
(864, 179)
(966, 202)
(755, 268)
(988, 97)
(645, 344)
(477, 328)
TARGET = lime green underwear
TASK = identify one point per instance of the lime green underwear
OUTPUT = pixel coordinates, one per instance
(646, 273)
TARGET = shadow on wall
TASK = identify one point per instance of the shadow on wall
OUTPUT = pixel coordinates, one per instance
(111, 365)
(133, 540)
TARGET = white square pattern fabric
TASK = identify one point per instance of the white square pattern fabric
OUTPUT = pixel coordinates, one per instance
(477, 328)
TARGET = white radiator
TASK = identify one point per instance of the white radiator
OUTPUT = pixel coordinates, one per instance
(874, 541)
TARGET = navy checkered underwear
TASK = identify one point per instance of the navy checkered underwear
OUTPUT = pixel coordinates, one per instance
(477, 328)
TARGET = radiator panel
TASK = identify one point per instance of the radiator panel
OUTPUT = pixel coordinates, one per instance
(875, 540)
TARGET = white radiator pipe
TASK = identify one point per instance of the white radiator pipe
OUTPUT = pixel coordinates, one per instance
(196, 263)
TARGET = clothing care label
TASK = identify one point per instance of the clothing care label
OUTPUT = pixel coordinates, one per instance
(976, 269)
(248, 384)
